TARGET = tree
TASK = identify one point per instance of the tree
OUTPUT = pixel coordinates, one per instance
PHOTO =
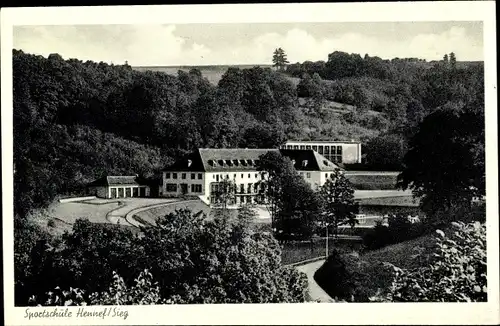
(279, 59)
(445, 59)
(339, 205)
(456, 271)
(293, 205)
(445, 162)
(386, 151)
(200, 260)
(224, 193)
(453, 60)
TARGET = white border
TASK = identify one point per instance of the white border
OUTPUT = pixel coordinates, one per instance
(371, 313)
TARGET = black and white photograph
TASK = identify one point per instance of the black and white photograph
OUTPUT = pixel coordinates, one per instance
(299, 164)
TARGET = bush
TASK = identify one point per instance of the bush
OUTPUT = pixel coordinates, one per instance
(143, 292)
(399, 229)
(346, 277)
(457, 272)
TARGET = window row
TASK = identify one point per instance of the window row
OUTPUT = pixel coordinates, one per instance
(174, 175)
(173, 187)
(250, 188)
(322, 149)
(227, 163)
(307, 174)
(218, 177)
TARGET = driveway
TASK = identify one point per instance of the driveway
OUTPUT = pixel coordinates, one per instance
(316, 293)
(118, 215)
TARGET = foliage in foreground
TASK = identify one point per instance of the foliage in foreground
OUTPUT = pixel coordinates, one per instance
(143, 292)
(194, 260)
(455, 271)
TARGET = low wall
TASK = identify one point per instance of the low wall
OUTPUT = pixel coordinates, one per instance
(69, 200)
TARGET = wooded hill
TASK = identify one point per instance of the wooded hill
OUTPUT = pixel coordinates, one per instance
(75, 121)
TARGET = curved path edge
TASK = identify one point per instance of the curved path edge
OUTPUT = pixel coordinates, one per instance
(129, 216)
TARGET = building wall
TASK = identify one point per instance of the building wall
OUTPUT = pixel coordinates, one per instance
(102, 192)
(168, 179)
(351, 152)
(126, 191)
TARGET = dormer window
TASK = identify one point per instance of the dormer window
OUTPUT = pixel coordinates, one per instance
(211, 162)
(221, 162)
(325, 162)
(293, 162)
(236, 163)
(304, 163)
(189, 163)
(229, 162)
(249, 162)
(243, 162)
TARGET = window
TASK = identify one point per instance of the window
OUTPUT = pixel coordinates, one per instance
(183, 176)
(289, 146)
(308, 147)
(295, 146)
(320, 149)
(200, 176)
(327, 150)
(302, 146)
(195, 188)
(242, 188)
(193, 176)
(217, 177)
(234, 176)
(174, 175)
(167, 175)
(302, 174)
(249, 176)
(308, 175)
(315, 148)
(242, 175)
(249, 188)
(256, 175)
(171, 187)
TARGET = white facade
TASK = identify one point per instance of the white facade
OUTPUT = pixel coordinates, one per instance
(245, 182)
(335, 151)
(120, 191)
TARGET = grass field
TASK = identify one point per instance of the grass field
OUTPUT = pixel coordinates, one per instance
(295, 252)
(372, 181)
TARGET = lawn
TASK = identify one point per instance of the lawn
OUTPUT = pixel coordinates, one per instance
(294, 252)
(70, 212)
(401, 254)
(372, 181)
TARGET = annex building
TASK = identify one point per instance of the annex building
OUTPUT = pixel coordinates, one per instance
(347, 152)
(119, 187)
(200, 173)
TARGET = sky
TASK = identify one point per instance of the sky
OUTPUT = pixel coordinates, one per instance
(226, 44)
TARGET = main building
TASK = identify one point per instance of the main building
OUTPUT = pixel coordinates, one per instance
(200, 173)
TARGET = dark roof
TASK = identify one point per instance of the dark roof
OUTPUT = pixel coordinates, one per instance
(243, 159)
(111, 180)
(309, 160)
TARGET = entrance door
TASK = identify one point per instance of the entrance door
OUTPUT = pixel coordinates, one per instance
(184, 188)
(113, 192)
(128, 192)
(120, 193)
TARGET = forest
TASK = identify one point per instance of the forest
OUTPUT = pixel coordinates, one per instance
(75, 121)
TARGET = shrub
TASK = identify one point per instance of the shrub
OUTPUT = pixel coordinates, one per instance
(456, 273)
(399, 229)
(143, 292)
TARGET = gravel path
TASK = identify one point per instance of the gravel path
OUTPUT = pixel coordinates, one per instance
(316, 293)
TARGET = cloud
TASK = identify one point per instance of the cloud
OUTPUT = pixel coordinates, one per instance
(160, 45)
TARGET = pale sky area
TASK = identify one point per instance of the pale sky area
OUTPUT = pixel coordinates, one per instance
(226, 44)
